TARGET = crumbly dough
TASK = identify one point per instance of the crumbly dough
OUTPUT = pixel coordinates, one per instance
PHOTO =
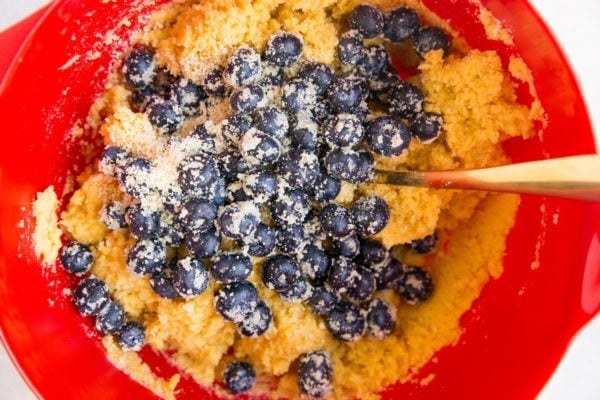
(477, 100)
(46, 234)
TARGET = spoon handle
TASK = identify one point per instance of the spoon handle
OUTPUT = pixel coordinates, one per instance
(575, 177)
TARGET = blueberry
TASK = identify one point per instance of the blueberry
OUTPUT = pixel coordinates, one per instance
(429, 39)
(323, 300)
(190, 277)
(298, 96)
(146, 256)
(239, 377)
(370, 215)
(345, 95)
(290, 238)
(261, 186)
(406, 99)
(203, 245)
(342, 274)
(348, 246)
(279, 272)
(343, 164)
(375, 60)
(139, 68)
(315, 374)
(388, 136)
(198, 215)
(299, 292)
(343, 130)
(326, 187)
(336, 220)
(111, 318)
(416, 285)
(165, 115)
(76, 258)
(196, 173)
(234, 127)
(304, 131)
(112, 161)
(239, 220)
(351, 49)
(131, 336)
(363, 287)
(233, 301)
(90, 296)
(290, 207)
(143, 223)
(312, 228)
(400, 24)
(365, 168)
(262, 243)
(388, 274)
(243, 67)
(259, 148)
(284, 48)
(217, 192)
(257, 322)
(134, 177)
(425, 245)
(299, 168)
(372, 252)
(188, 95)
(161, 283)
(427, 127)
(231, 164)
(320, 75)
(172, 232)
(273, 121)
(346, 321)
(314, 263)
(247, 99)
(231, 267)
(381, 319)
(112, 215)
(203, 138)
(367, 19)
(214, 83)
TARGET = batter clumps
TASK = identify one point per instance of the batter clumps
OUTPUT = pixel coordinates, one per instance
(468, 89)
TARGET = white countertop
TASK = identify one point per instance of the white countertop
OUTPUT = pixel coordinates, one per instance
(576, 26)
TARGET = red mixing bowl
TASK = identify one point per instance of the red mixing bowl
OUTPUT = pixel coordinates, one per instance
(516, 333)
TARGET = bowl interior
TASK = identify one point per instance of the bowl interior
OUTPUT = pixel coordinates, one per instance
(515, 334)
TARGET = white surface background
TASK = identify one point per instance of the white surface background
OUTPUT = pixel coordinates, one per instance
(576, 26)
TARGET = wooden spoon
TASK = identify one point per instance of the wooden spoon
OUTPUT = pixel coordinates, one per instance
(575, 177)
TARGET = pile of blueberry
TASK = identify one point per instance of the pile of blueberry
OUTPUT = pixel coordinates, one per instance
(92, 298)
(265, 179)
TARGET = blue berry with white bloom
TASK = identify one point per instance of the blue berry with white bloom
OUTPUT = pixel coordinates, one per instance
(351, 49)
(299, 168)
(143, 223)
(284, 48)
(290, 238)
(190, 277)
(135, 176)
(346, 321)
(239, 377)
(299, 292)
(370, 215)
(165, 115)
(203, 245)
(273, 121)
(279, 272)
(381, 319)
(348, 246)
(326, 188)
(298, 96)
(343, 130)
(197, 173)
(139, 68)
(188, 95)
(320, 75)
(110, 318)
(314, 263)
(243, 67)
(262, 243)
(363, 287)
(290, 207)
(427, 127)
(239, 220)
(234, 301)
(146, 257)
(76, 258)
(257, 322)
(323, 300)
(345, 95)
(401, 24)
(315, 374)
(406, 99)
(247, 99)
(198, 215)
(131, 336)
(259, 148)
(304, 132)
(388, 136)
(161, 283)
(342, 274)
(261, 186)
(336, 220)
(90, 296)
(231, 267)
(431, 38)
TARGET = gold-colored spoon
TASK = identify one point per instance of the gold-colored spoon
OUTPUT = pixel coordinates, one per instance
(575, 177)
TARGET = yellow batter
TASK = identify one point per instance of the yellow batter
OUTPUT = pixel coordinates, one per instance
(475, 97)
